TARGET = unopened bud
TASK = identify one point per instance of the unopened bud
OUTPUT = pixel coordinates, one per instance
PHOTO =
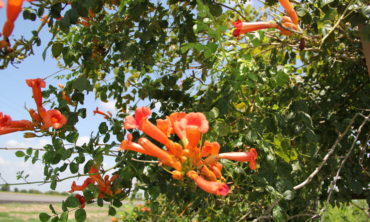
(29, 135)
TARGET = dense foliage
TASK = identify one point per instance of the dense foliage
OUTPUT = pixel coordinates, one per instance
(301, 100)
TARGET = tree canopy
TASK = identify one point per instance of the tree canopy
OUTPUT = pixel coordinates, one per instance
(297, 94)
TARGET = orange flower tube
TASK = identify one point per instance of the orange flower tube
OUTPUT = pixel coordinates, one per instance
(24, 124)
(164, 156)
(212, 187)
(6, 130)
(153, 131)
(245, 27)
(13, 8)
(207, 173)
(128, 145)
(8, 28)
(36, 85)
(290, 10)
(250, 156)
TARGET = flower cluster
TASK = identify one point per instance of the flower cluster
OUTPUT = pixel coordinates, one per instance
(191, 158)
(42, 118)
(286, 24)
(104, 185)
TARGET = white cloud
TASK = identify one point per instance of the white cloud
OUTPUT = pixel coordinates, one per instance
(110, 105)
(82, 139)
(32, 142)
(4, 163)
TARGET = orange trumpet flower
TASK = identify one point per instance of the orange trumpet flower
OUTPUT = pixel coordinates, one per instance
(245, 27)
(290, 10)
(129, 145)
(36, 85)
(141, 114)
(163, 155)
(198, 120)
(53, 118)
(212, 187)
(8, 28)
(250, 157)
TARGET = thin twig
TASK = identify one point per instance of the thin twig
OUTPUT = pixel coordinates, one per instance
(336, 24)
(331, 151)
(334, 181)
(228, 7)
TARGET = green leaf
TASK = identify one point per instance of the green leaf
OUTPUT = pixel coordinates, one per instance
(80, 215)
(112, 211)
(20, 154)
(64, 207)
(73, 167)
(82, 84)
(117, 203)
(72, 202)
(103, 128)
(289, 195)
(325, 2)
(55, 219)
(44, 217)
(100, 202)
(56, 49)
(64, 217)
(52, 209)
(53, 184)
(282, 78)
(366, 11)
(29, 151)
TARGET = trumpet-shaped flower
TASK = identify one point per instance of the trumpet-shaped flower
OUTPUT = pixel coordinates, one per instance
(165, 126)
(97, 111)
(36, 85)
(129, 145)
(53, 118)
(75, 187)
(290, 10)
(141, 114)
(210, 148)
(250, 157)
(245, 27)
(212, 187)
(195, 120)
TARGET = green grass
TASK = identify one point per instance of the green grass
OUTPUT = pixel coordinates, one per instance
(19, 212)
(347, 213)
